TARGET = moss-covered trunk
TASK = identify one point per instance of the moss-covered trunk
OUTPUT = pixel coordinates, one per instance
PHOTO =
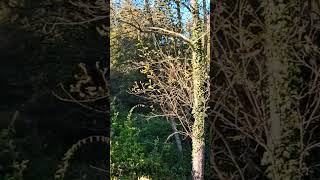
(276, 64)
(199, 75)
(199, 115)
(276, 46)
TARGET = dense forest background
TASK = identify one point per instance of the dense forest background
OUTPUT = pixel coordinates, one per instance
(262, 106)
(149, 58)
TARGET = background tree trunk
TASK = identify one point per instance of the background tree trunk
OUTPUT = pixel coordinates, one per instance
(277, 60)
(176, 135)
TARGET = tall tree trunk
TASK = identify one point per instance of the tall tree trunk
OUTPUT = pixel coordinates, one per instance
(176, 135)
(199, 118)
(274, 64)
(277, 58)
(199, 75)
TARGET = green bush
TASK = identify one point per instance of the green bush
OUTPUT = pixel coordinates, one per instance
(138, 149)
(127, 156)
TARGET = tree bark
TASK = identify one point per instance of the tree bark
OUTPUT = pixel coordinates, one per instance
(199, 75)
(277, 57)
(176, 135)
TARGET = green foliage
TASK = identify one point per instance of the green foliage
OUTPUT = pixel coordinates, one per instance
(137, 149)
(127, 157)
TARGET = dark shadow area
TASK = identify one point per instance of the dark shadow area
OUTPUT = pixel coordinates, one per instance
(42, 44)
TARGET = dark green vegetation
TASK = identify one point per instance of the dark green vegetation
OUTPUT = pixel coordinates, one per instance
(139, 147)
